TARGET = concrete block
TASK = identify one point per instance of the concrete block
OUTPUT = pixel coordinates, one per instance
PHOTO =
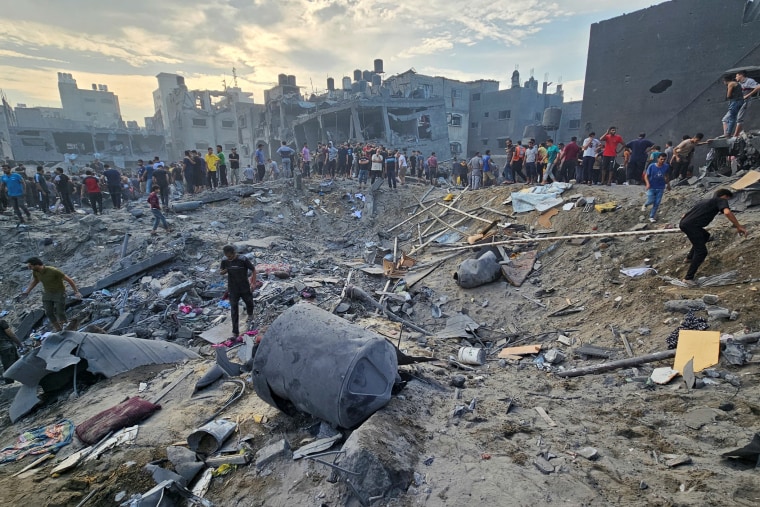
(384, 453)
(685, 305)
(265, 455)
(176, 290)
(122, 321)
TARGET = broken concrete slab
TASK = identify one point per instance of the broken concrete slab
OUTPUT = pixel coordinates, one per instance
(663, 375)
(699, 417)
(317, 446)
(266, 455)
(382, 455)
(458, 326)
(543, 465)
(590, 453)
(129, 272)
(217, 334)
(124, 320)
(172, 292)
(685, 305)
(28, 323)
(265, 243)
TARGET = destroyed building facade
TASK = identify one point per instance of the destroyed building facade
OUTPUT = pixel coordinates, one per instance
(87, 126)
(197, 119)
(414, 111)
(658, 70)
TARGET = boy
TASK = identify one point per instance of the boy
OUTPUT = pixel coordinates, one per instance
(155, 208)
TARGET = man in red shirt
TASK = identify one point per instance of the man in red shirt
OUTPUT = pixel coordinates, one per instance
(570, 161)
(613, 143)
(91, 185)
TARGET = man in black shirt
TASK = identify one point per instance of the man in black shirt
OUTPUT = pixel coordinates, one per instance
(113, 180)
(161, 177)
(694, 222)
(238, 284)
(234, 159)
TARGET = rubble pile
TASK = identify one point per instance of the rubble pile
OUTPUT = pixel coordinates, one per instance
(407, 347)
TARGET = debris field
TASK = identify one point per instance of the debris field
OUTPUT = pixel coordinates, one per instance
(537, 360)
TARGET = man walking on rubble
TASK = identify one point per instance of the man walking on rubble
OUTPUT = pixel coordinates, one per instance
(15, 186)
(63, 185)
(696, 219)
(54, 292)
(222, 166)
(682, 156)
(238, 284)
(43, 192)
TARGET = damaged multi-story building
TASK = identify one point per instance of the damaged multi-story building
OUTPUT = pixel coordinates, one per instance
(414, 111)
(658, 70)
(87, 126)
(198, 119)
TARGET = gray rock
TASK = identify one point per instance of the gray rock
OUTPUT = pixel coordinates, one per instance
(554, 356)
(457, 381)
(718, 313)
(684, 305)
(710, 299)
(589, 453)
(543, 465)
(384, 453)
(265, 455)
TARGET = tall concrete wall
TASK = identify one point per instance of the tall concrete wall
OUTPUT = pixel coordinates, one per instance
(686, 44)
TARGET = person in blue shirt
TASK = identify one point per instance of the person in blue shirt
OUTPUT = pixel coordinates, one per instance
(656, 181)
(15, 186)
(286, 153)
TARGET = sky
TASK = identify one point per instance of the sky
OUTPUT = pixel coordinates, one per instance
(125, 44)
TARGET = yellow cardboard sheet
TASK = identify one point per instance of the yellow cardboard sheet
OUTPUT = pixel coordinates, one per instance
(748, 180)
(703, 346)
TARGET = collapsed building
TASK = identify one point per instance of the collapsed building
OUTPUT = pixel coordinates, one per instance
(414, 111)
(658, 70)
(197, 119)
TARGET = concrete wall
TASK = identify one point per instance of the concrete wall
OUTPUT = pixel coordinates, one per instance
(688, 42)
(97, 107)
(503, 114)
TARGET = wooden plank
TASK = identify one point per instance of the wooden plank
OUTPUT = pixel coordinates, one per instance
(469, 215)
(520, 350)
(545, 416)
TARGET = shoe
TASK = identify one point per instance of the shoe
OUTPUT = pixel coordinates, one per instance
(653, 220)
(690, 283)
(643, 207)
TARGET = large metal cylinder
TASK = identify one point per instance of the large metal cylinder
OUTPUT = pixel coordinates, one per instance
(291, 80)
(346, 83)
(330, 84)
(357, 75)
(325, 366)
(282, 79)
(378, 66)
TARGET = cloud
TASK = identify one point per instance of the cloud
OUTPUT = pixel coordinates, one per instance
(9, 53)
(127, 43)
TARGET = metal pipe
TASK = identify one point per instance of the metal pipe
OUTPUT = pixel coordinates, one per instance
(555, 238)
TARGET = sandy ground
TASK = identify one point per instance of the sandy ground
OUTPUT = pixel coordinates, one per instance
(487, 456)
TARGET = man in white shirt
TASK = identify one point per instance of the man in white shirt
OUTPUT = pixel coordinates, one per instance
(590, 147)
